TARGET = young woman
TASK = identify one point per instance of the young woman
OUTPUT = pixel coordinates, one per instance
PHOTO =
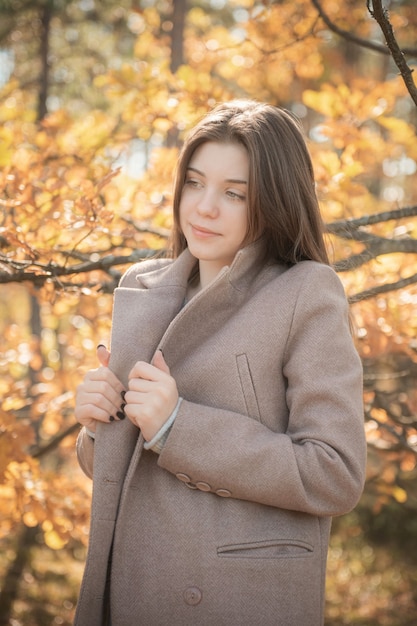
(234, 366)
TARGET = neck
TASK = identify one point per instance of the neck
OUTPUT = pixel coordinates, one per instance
(208, 273)
(194, 284)
(201, 278)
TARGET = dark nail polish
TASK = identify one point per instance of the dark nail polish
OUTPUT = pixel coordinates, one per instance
(123, 393)
(120, 415)
(111, 418)
(122, 407)
(101, 345)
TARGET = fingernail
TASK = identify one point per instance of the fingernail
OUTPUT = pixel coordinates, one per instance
(101, 345)
(123, 393)
(120, 415)
(111, 418)
(122, 406)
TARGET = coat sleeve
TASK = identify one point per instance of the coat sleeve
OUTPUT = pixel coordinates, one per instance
(318, 465)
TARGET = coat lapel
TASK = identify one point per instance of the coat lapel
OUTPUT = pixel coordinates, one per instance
(141, 315)
(211, 308)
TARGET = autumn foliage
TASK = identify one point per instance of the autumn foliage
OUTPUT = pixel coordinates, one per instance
(89, 138)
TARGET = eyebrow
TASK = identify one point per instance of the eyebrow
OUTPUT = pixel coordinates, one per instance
(236, 181)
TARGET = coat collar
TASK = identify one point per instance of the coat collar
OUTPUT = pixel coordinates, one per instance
(244, 268)
(214, 305)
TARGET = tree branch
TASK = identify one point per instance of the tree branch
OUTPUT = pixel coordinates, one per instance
(42, 273)
(40, 451)
(381, 16)
(348, 36)
(164, 233)
(340, 226)
(375, 291)
(375, 247)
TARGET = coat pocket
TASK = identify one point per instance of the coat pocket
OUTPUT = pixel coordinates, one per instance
(248, 388)
(269, 549)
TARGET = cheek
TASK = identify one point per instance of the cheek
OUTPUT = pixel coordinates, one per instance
(183, 219)
(243, 225)
(181, 212)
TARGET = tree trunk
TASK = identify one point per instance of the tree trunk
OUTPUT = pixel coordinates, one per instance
(179, 10)
(10, 586)
(45, 17)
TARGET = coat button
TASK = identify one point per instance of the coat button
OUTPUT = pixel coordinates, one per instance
(224, 493)
(183, 477)
(203, 486)
(192, 596)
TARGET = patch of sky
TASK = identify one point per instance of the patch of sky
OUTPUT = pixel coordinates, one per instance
(86, 5)
(6, 66)
(217, 4)
(405, 166)
(133, 160)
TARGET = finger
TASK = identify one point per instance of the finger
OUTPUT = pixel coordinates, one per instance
(159, 362)
(88, 413)
(103, 355)
(144, 370)
(140, 385)
(97, 406)
(104, 374)
(102, 389)
(109, 403)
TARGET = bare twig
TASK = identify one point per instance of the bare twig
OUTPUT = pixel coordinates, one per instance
(347, 35)
(340, 226)
(42, 273)
(381, 16)
(367, 294)
(159, 232)
(41, 451)
(374, 248)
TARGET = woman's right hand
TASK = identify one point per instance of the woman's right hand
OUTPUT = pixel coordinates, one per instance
(98, 398)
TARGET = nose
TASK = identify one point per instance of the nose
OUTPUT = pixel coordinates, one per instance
(207, 204)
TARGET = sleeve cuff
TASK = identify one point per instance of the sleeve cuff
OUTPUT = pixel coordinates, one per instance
(157, 442)
(90, 433)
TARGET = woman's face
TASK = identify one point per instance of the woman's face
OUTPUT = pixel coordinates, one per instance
(213, 206)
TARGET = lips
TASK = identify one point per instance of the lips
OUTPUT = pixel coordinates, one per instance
(200, 231)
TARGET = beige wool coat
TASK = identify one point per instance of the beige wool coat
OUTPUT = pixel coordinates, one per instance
(230, 524)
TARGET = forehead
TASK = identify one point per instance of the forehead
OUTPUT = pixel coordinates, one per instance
(226, 159)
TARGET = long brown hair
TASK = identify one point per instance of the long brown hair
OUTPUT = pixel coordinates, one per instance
(282, 202)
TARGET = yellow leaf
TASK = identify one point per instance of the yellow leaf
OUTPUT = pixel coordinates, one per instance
(42, 140)
(399, 129)
(152, 17)
(6, 146)
(29, 519)
(162, 125)
(399, 494)
(53, 540)
(325, 102)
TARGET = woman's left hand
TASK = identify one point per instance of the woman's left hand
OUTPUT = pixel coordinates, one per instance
(152, 395)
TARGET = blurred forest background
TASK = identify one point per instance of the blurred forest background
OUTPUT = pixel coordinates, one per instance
(95, 99)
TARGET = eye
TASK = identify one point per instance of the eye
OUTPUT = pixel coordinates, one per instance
(193, 183)
(236, 196)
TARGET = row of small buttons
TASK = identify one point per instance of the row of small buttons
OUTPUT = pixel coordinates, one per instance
(223, 493)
